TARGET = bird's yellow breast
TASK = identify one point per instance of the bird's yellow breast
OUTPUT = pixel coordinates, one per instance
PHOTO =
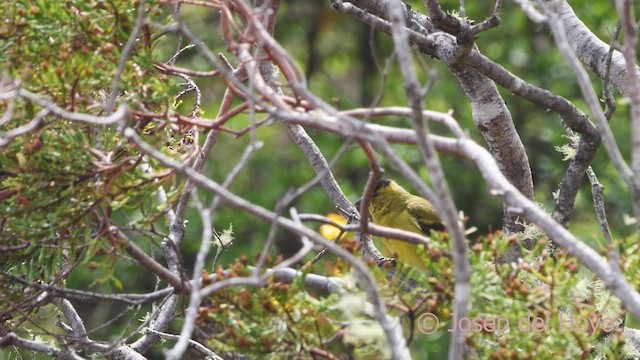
(403, 251)
(393, 206)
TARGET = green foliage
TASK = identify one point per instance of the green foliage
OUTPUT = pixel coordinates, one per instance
(517, 308)
(62, 184)
(278, 320)
(542, 307)
(541, 300)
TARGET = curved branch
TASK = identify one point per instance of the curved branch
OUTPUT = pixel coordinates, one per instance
(627, 174)
(496, 180)
(590, 50)
(392, 330)
(444, 203)
(490, 113)
(11, 339)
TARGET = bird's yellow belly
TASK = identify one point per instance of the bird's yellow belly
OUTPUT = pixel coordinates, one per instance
(404, 252)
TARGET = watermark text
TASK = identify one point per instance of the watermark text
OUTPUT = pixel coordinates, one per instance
(428, 323)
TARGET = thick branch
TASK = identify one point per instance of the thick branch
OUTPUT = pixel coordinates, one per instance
(592, 51)
(572, 117)
(591, 98)
(502, 187)
(489, 110)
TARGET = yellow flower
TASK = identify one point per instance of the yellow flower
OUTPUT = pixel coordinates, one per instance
(329, 231)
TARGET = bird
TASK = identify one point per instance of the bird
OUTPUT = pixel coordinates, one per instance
(393, 206)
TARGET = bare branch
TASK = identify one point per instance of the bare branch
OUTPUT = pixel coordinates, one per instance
(393, 331)
(11, 92)
(13, 339)
(307, 245)
(77, 325)
(598, 203)
(188, 326)
(145, 260)
(530, 10)
(444, 203)
(191, 343)
(319, 256)
(490, 22)
(427, 115)
(362, 232)
(629, 53)
(588, 48)
(35, 123)
(592, 101)
(606, 80)
(168, 69)
(126, 51)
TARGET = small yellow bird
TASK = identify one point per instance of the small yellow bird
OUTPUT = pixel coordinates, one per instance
(393, 206)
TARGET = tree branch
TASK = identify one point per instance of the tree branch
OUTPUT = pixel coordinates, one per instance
(392, 330)
(591, 98)
(444, 204)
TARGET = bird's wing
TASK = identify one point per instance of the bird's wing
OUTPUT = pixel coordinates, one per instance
(426, 217)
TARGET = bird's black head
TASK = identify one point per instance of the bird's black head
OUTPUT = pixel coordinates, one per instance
(381, 184)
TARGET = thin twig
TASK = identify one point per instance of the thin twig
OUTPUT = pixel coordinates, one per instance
(121, 114)
(189, 323)
(179, 50)
(126, 51)
(192, 343)
(324, 251)
(119, 237)
(594, 106)
(428, 115)
(491, 22)
(598, 203)
(392, 330)
(532, 13)
(629, 53)
(606, 81)
(279, 208)
(307, 245)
